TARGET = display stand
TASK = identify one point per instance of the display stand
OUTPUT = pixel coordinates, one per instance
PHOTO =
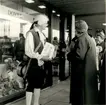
(11, 97)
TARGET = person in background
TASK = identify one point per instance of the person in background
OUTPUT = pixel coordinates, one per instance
(48, 72)
(35, 74)
(62, 52)
(102, 92)
(56, 44)
(19, 48)
(102, 69)
(55, 61)
(98, 50)
(101, 42)
(84, 87)
(7, 48)
(55, 41)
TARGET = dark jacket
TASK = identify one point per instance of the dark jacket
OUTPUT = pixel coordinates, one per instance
(71, 48)
(19, 49)
(84, 88)
(102, 93)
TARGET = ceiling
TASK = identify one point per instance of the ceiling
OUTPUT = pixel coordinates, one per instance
(79, 6)
(23, 6)
(92, 11)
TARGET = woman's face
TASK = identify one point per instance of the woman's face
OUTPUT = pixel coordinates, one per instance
(77, 33)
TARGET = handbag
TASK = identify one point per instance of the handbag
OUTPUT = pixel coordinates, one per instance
(22, 68)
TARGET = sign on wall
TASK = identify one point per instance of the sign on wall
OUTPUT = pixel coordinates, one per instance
(16, 14)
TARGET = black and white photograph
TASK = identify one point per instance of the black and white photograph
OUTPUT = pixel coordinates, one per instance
(52, 52)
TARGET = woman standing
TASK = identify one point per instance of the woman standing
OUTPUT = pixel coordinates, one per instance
(35, 74)
(84, 88)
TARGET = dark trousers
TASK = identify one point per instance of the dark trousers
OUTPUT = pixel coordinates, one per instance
(62, 69)
(48, 77)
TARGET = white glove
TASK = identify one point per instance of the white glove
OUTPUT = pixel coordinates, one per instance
(40, 62)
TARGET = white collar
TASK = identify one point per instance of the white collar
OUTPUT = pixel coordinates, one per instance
(37, 29)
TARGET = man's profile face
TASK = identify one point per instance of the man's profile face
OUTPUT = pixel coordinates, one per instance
(44, 25)
(100, 40)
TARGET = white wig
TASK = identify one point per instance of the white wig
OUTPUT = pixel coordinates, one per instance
(41, 19)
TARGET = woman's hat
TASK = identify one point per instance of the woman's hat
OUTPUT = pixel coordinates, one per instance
(81, 26)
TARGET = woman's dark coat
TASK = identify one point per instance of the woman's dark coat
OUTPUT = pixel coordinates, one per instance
(84, 88)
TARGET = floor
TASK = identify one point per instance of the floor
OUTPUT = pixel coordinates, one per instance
(58, 94)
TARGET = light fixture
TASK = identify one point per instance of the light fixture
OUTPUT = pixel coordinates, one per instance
(104, 24)
(53, 11)
(29, 1)
(42, 6)
(58, 15)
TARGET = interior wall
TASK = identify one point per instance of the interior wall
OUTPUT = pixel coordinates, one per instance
(66, 33)
(55, 27)
(9, 28)
(94, 22)
(55, 22)
(2, 28)
(14, 29)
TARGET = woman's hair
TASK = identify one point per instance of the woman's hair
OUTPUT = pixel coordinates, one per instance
(34, 23)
